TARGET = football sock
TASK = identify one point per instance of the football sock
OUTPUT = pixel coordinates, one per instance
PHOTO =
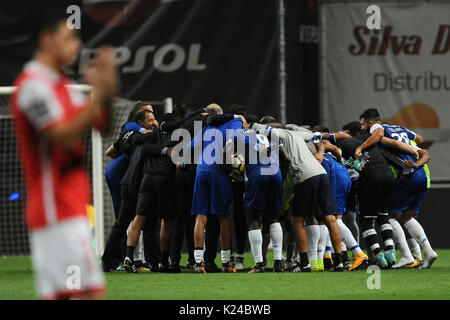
(198, 255)
(328, 247)
(347, 238)
(386, 231)
(255, 239)
(415, 248)
(304, 259)
(313, 232)
(399, 237)
(165, 258)
(130, 252)
(322, 241)
(138, 249)
(276, 234)
(370, 236)
(225, 255)
(416, 231)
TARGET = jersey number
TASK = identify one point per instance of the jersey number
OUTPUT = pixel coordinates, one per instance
(403, 137)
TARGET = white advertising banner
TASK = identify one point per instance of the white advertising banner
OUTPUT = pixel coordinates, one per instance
(402, 69)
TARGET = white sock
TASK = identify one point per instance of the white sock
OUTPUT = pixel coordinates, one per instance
(137, 255)
(415, 248)
(198, 256)
(347, 238)
(399, 238)
(313, 232)
(225, 255)
(416, 231)
(322, 241)
(276, 234)
(328, 246)
(255, 239)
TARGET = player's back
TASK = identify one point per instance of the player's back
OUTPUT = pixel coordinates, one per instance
(402, 134)
(56, 181)
(214, 139)
(303, 162)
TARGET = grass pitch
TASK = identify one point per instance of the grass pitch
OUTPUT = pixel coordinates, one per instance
(17, 283)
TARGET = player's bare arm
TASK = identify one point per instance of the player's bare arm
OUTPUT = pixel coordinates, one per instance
(424, 157)
(112, 152)
(403, 147)
(373, 139)
(329, 147)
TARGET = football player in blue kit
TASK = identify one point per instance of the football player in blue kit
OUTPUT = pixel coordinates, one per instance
(212, 189)
(410, 186)
(341, 184)
(262, 198)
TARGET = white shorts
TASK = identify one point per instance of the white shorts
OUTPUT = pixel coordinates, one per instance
(64, 261)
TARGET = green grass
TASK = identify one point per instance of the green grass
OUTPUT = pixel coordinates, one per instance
(16, 280)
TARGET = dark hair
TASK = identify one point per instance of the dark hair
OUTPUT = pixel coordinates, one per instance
(168, 117)
(48, 18)
(237, 109)
(370, 114)
(267, 120)
(320, 128)
(251, 118)
(140, 115)
(180, 109)
(354, 127)
(137, 106)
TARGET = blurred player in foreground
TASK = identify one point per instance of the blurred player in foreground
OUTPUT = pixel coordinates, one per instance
(50, 121)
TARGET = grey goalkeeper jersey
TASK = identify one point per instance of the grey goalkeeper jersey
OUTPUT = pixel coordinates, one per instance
(304, 165)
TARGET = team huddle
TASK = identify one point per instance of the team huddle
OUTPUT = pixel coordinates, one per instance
(305, 190)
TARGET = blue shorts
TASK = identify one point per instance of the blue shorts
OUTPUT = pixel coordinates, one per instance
(113, 174)
(263, 191)
(409, 192)
(212, 194)
(343, 187)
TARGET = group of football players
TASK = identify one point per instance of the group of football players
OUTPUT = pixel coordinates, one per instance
(301, 189)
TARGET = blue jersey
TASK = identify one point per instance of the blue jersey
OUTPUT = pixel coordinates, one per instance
(255, 141)
(402, 134)
(340, 181)
(214, 139)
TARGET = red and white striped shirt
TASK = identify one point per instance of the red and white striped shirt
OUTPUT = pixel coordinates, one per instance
(57, 184)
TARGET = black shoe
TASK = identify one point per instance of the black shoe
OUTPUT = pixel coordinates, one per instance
(211, 267)
(338, 268)
(298, 268)
(228, 268)
(264, 261)
(278, 266)
(257, 268)
(190, 265)
(107, 268)
(346, 260)
(327, 263)
(174, 268)
(163, 267)
(129, 266)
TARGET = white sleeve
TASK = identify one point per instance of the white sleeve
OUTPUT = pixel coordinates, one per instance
(39, 104)
(375, 127)
(268, 130)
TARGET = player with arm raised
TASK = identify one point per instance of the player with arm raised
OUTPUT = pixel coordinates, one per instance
(313, 196)
(50, 121)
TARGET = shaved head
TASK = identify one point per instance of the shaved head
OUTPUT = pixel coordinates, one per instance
(215, 107)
